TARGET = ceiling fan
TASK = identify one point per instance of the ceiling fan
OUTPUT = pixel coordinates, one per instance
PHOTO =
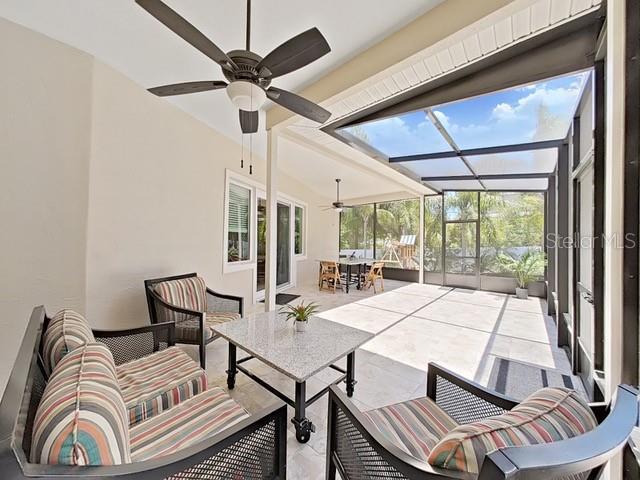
(249, 75)
(338, 206)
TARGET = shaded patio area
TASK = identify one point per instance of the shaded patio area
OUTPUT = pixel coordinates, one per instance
(493, 338)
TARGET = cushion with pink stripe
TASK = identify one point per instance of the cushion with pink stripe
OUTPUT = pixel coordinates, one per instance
(180, 427)
(189, 293)
(548, 415)
(152, 384)
(415, 426)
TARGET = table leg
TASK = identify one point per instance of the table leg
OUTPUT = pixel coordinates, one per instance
(359, 276)
(304, 427)
(351, 370)
(348, 277)
(232, 371)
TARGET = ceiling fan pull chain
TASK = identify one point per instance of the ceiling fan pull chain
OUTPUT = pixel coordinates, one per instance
(242, 150)
(248, 42)
(251, 134)
(250, 154)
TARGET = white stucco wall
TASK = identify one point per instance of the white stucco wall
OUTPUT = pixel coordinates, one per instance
(104, 185)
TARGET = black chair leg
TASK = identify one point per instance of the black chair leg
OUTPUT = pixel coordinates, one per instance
(203, 355)
(331, 471)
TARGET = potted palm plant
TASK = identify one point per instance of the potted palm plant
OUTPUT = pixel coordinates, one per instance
(301, 314)
(525, 269)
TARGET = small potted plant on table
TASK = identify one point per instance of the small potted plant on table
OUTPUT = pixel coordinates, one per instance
(300, 313)
(526, 269)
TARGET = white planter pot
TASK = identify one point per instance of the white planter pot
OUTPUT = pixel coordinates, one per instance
(301, 326)
(522, 293)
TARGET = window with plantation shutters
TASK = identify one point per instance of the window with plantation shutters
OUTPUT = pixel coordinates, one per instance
(238, 218)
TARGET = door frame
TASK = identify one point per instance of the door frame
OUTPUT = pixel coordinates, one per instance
(445, 222)
(293, 258)
(582, 364)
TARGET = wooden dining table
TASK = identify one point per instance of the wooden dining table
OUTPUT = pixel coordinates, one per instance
(349, 263)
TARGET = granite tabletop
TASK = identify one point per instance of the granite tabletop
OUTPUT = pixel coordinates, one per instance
(298, 355)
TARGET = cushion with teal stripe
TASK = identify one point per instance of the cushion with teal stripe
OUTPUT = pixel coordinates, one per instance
(548, 415)
(82, 418)
(66, 330)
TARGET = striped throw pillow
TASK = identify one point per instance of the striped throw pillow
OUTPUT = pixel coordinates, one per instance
(189, 293)
(549, 415)
(82, 418)
(66, 331)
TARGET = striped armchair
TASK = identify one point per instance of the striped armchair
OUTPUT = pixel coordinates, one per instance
(73, 422)
(462, 430)
(194, 308)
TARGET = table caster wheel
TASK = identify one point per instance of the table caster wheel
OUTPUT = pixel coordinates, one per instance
(304, 428)
(303, 437)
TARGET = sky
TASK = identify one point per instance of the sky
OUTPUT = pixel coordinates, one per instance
(502, 118)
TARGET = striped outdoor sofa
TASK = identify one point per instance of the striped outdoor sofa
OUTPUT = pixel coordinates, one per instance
(68, 411)
(464, 431)
(149, 385)
(194, 308)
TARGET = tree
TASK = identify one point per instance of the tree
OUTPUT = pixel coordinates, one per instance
(511, 223)
(356, 229)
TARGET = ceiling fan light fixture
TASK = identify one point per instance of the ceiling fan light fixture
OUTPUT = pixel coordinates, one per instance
(246, 95)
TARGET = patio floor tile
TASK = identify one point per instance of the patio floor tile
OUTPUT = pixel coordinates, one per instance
(463, 330)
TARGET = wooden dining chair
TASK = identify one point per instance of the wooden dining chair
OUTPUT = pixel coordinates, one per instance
(329, 275)
(375, 273)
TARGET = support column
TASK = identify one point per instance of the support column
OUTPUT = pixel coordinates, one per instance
(551, 240)
(614, 194)
(421, 242)
(614, 206)
(562, 246)
(272, 221)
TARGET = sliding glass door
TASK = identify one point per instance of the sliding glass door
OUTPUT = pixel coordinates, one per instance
(283, 243)
(283, 248)
(261, 254)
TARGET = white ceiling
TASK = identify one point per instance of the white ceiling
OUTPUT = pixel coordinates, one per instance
(122, 35)
(318, 172)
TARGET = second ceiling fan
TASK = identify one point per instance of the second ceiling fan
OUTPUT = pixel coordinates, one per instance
(338, 206)
(248, 74)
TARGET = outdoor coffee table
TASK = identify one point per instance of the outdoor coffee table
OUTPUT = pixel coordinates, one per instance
(269, 338)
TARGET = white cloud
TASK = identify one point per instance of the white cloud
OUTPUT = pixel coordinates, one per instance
(503, 111)
(394, 136)
(551, 97)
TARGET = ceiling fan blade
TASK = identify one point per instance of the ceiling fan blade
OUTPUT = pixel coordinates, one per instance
(248, 121)
(181, 27)
(187, 87)
(299, 105)
(293, 54)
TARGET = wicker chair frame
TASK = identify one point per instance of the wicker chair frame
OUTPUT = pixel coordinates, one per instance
(357, 450)
(253, 449)
(216, 302)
